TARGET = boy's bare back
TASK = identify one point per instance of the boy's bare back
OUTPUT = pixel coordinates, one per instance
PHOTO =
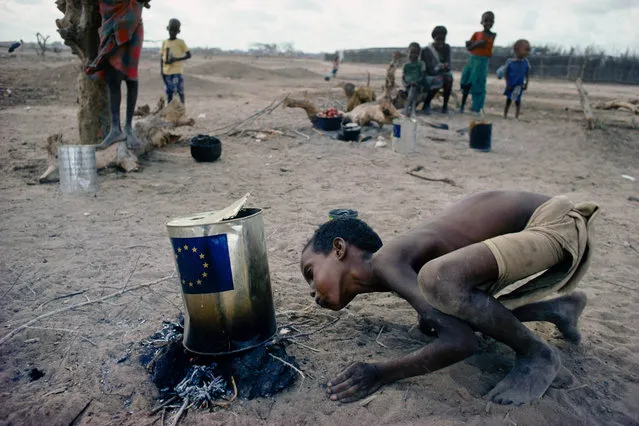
(473, 219)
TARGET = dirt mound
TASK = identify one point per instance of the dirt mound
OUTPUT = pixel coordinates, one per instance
(237, 70)
(296, 72)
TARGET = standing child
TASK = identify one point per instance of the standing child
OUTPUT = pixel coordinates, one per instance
(335, 65)
(516, 75)
(413, 78)
(473, 78)
(173, 52)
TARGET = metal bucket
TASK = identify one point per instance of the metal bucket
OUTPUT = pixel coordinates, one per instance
(404, 135)
(480, 135)
(225, 282)
(78, 172)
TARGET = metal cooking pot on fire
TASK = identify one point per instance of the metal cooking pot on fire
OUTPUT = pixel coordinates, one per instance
(224, 277)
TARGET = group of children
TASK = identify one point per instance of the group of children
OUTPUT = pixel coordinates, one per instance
(429, 70)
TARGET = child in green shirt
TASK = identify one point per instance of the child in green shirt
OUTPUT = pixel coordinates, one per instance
(413, 77)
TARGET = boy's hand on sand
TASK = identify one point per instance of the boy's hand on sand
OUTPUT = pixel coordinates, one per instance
(356, 382)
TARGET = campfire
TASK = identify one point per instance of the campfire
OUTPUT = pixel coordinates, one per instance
(200, 381)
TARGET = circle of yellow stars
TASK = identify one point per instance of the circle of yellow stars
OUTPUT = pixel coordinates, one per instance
(198, 282)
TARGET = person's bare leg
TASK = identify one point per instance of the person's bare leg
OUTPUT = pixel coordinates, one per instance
(563, 311)
(507, 107)
(448, 88)
(409, 111)
(131, 99)
(114, 83)
(449, 284)
(465, 92)
(517, 109)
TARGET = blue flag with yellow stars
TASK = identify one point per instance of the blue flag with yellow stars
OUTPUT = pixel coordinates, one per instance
(204, 264)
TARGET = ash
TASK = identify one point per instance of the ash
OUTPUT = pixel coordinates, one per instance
(201, 386)
(205, 379)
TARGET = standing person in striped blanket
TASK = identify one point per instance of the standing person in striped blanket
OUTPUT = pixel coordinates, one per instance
(121, 36)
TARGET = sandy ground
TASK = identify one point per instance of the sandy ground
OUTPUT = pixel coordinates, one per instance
(55, 246)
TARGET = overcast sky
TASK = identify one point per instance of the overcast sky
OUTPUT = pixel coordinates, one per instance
(328, 25)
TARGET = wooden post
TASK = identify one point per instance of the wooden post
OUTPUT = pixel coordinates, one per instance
(585, 104)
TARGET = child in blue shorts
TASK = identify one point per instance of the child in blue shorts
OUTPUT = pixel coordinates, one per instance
(516, 73)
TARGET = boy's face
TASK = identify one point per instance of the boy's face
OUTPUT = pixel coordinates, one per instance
(413, 54)
(439, 39)
(522, 50)
(488, 20)
(326, 275)
(173, 31)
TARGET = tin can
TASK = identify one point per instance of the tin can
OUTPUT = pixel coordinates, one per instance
(77, 167)
(225, 282)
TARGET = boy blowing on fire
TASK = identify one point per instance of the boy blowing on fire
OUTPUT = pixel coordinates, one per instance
(450, 270)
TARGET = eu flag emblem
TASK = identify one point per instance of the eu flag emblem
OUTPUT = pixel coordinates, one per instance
(203, 263)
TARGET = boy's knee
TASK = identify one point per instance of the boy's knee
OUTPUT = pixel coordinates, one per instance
(438, 284)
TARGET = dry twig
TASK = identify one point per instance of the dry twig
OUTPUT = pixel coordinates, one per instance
(289, 364)
(377, 339)
(78, 305)
(228, 129)
(413, 171)
(179, 413)
(225, 404)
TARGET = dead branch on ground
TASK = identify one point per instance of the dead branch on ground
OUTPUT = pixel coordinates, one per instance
(382, 112)
(239, 125)
(153, 131)
(413, 172)
(78, 305)
(631, 106)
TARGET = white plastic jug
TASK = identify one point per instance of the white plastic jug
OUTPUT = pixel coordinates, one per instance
(404, 135)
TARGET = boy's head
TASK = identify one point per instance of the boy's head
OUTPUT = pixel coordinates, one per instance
(521, 48)
(439, 35)
(335, 257)
(413, 51)
(488, 20)
(173, 28)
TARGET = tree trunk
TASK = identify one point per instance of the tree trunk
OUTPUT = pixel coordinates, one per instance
(80, 30)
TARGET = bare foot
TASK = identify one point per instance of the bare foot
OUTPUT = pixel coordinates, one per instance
(568, 310)
(530, 377)
(131, 140)
(115, 135)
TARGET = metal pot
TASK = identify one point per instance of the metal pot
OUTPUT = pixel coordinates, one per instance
(225, 282)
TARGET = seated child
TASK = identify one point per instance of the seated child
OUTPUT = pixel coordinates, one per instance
(173, 52)
(516, 74)
(456, 270)
(413, 77)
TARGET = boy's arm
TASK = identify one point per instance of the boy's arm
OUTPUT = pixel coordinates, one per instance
(447, 55)
(473, 43)
(527, 74)
(187, 54)
(456, 342)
